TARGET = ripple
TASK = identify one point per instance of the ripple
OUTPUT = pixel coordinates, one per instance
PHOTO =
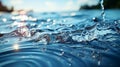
(35, 57)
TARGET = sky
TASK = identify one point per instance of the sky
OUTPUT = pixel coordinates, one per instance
(49, 5)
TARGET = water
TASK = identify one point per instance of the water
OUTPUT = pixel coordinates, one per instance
(64, 39)
(103, 9)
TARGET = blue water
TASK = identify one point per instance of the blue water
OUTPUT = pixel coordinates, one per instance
(62, 39)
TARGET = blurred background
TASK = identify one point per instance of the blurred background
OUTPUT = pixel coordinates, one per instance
(55, 5)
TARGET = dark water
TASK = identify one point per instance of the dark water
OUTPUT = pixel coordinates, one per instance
(65, 39)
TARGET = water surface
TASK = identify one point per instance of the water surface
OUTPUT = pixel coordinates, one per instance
(63, 39)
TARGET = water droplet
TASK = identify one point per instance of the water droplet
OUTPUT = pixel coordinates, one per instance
(53, 23)
(70, 64)
(99, 62)
(95, 19)
(93, 56)
(4, 19)
(48, 20)
(61, 49)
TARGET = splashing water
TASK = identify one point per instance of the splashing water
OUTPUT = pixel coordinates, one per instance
(66, 39)
(103, 9)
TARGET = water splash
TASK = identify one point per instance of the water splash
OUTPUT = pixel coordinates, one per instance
(61, 41)
(103, 10)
